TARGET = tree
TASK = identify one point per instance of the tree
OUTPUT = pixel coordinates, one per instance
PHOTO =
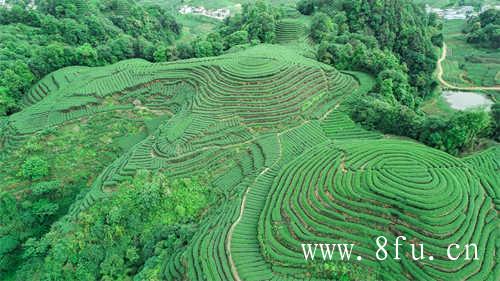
(202, 48)
(35, 168)
(321, 27)
(259, 20)
(7, 103)
(495, 117)
(122, 48)
(305, 7)
(86, 55)
(484, 29)
(46, 189)
(160, 55)
(236, 38)
(386, 90)
(185, 50)
(464, 128)
(109, 244)
(216, 41)
(60, 33)
(49, 59)
(16, 79)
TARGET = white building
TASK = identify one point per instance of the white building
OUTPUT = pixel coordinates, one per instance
(219, 14)
(462, 12)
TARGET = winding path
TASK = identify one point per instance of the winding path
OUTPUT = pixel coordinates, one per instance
(453, 87)
(229, 239)
(231, 230)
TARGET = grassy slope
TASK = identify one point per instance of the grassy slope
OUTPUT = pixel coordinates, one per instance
(467, 64)
(76, 150)
(458, 69)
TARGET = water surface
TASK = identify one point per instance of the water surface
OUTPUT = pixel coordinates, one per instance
(467, 100)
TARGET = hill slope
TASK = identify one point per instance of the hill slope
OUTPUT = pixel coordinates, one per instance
(269, 127)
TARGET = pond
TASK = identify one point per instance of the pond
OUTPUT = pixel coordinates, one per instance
(467, 100)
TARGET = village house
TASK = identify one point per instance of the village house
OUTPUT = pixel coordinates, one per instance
(219, 14)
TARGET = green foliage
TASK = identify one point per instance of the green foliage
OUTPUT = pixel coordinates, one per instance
(163, 53)
(113, 239)
(35, 42)
(7, 102)
(236, 38)
(20, 221)
(356, 55)
(400, 29)
(468, 64)
(345, 272)
(15, 79)
(321, 27)
(495, 117)
(485, 29)
(40, 204)
(259, 20)
(286, 165)
(35, 168)
(305, 7)
(453, 134)
(256, 23)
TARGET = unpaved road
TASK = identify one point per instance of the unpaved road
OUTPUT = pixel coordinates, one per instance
(234, 270)
(453, 87)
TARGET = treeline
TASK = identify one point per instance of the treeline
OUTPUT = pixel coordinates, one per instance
(395, 41)
(454, 134)
(484, 29)
(254, 25)
(35, 41)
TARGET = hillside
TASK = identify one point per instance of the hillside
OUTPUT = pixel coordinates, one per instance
(268, 130)
(39, 37)
(468, 65)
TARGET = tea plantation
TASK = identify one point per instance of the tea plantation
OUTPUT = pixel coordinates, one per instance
(271, 128)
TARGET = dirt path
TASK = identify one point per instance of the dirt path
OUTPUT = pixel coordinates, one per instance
(453, 87)
(231, 230)
(229, 239)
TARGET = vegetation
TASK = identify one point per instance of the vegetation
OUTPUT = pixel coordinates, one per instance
(367, 37)
(454, 134)
(256, 23)
(148, 225)
(52, 174)
(109, 243)
(58, 33)
(485, 29)
(468, 64)
(218, 167)
(400, 53)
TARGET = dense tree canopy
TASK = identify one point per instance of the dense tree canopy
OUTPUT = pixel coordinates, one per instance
(395, 28)
(484, 29)
(146, 219)
(258, 19)
(454, 134)
(58, 33)
(394, 41)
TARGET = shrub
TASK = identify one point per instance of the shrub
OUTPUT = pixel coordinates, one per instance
(35, 168)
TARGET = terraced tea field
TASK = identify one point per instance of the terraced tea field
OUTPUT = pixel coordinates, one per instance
(271, 128)
(467, 65)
